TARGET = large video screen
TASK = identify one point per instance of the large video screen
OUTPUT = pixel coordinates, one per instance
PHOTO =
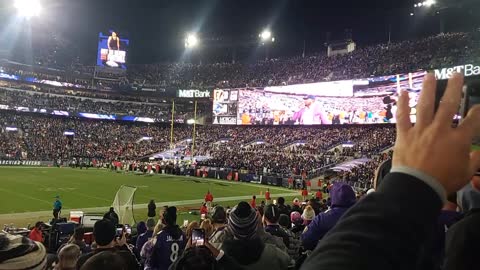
(112, 50)
(365, 101)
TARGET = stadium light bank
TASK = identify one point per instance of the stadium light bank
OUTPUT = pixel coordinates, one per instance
(191, 41)
(426, 3)
(28, 8)
(266, 36)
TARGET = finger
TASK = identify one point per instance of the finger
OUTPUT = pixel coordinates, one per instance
(403, 113)
(426, 101)
(474, 164)
(450, 101)
(471, 124)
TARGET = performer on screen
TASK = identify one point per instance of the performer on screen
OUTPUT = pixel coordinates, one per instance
(113, 42)
(311, 114)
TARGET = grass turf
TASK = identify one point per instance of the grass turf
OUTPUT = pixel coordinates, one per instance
(34, 189)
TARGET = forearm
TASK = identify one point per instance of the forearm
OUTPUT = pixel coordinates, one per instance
(382, 231)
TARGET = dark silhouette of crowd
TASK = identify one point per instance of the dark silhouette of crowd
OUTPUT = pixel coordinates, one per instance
(443, 50)
(438, 51)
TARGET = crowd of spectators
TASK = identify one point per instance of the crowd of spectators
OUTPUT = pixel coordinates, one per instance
(438, 51)
(85, 105)
(444, 50)
(276, 150)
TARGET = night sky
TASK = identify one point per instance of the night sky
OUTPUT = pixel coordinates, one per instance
(156, 28)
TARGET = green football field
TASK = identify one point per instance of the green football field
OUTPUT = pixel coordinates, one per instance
(29, 192)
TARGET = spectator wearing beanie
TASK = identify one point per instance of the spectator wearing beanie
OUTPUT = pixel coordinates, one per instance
(342, 198)
(282, 207)
(308, 215)
(143, 238)
(18, 252)
(104, 233)
(270, 219)
(297, 223)
(170, 243)
(246, 247)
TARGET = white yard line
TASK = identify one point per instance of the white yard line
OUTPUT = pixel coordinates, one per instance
(138, 206)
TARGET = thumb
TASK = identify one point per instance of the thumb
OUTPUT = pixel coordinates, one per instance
(474, 162)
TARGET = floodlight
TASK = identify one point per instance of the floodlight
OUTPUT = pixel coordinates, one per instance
(428, 3)
(265, 35)
(415, 5)
(420, 4)
(28, 8)
(191, 41)
(411, 14)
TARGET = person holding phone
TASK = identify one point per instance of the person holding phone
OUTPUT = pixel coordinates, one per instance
(106, 239)
(430, 160)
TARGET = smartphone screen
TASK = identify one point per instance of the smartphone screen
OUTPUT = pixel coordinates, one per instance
(128, 230)
(274, 201)
(472, 98)
(185, 223)
(198, 237)
(119, 231)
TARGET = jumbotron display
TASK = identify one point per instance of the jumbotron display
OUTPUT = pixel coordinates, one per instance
(112, 50)
(363, 101)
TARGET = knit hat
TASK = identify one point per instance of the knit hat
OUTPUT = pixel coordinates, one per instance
(104, 232)
(243, 221)
(219, 215)
(296, 217)
(308, 213)
(271, 213)
(18, 252)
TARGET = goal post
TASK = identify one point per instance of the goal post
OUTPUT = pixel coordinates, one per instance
(123, 204)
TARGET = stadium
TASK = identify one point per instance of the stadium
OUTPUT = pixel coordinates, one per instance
(157, 135)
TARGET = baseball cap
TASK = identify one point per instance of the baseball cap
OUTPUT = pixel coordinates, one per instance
(309, 97)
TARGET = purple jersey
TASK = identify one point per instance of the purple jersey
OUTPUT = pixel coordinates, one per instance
(167, 249)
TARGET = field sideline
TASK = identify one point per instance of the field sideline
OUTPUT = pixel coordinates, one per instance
(30, 191)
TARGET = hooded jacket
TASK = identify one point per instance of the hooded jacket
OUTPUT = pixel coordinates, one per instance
(254, 254)
(343, 197)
